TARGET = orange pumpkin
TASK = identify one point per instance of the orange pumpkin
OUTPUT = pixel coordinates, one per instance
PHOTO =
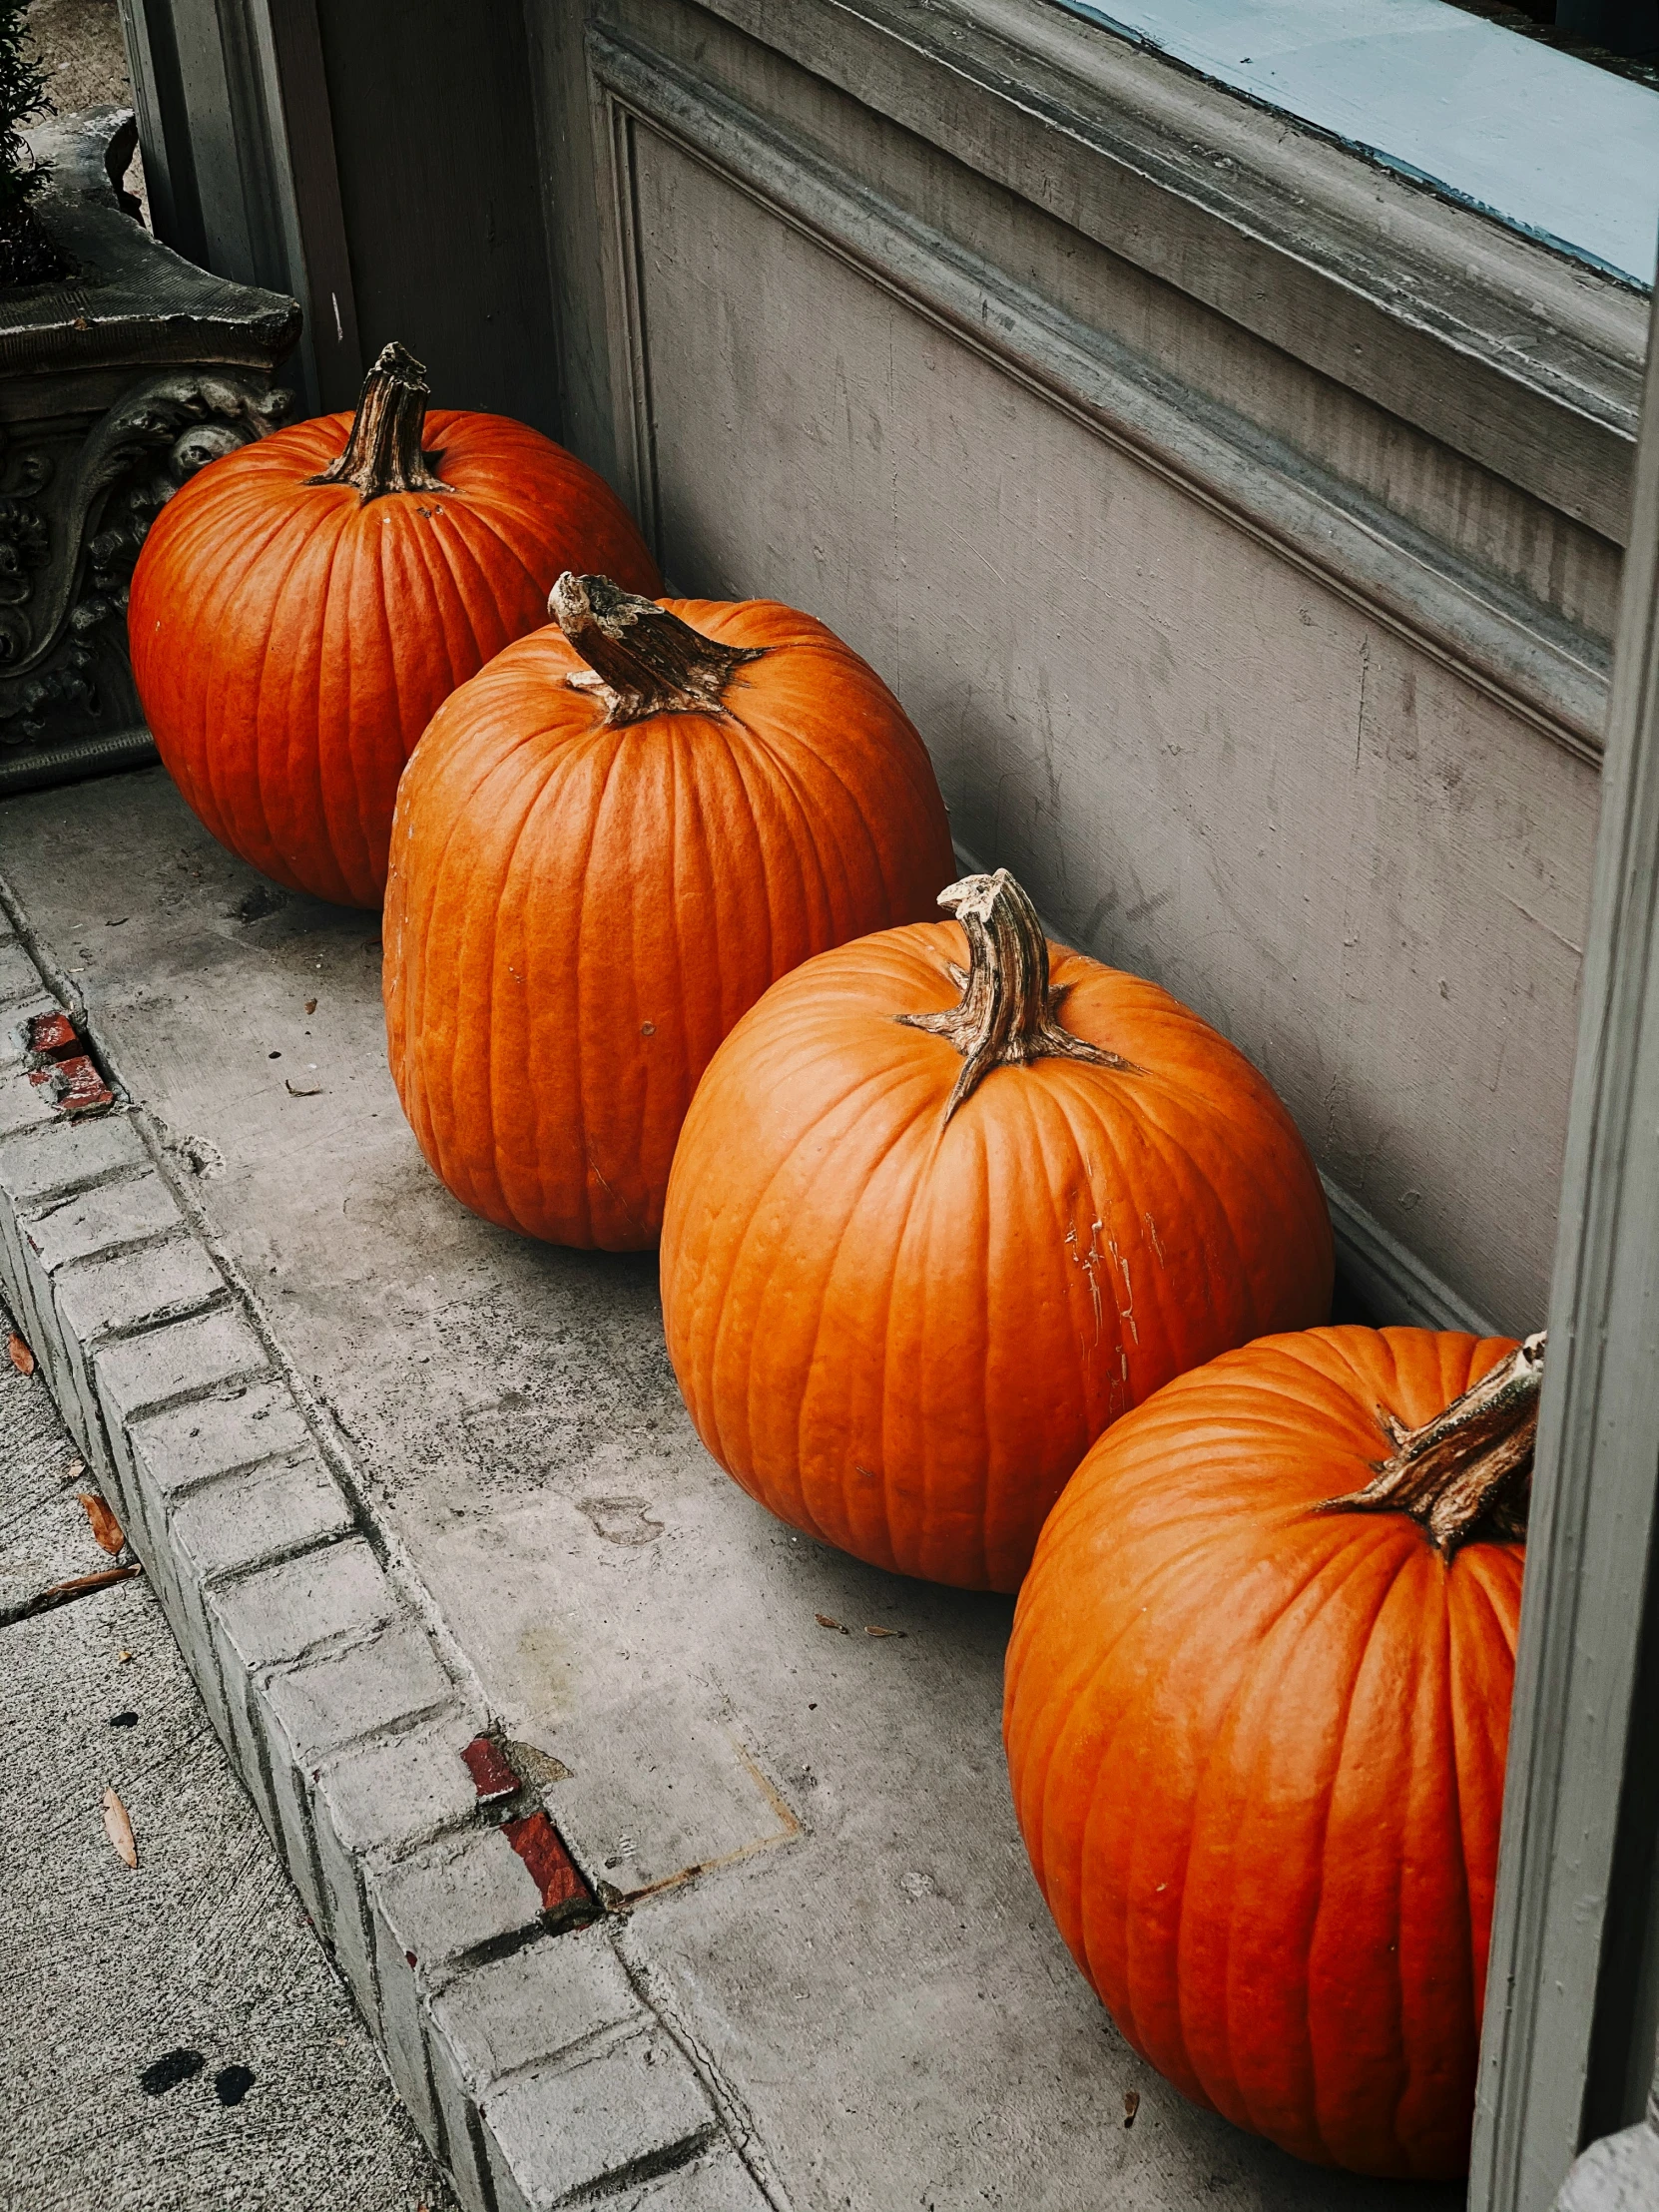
(607, 847)
(299, 612)
(1257, 1709)
(918, 1254)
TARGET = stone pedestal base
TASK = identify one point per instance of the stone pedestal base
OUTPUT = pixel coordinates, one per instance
(116, 384)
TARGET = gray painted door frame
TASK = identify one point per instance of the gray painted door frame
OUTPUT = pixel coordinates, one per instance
(1574, 1986)
(239, 156)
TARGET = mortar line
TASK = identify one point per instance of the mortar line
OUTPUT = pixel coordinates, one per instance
(481, 2149)
(195, 1484)
(222, 1682)
(57, 1195)
(322, 1923)
(280, 1555)
(334, 1643)
(130, 1248)
(441, 1974)
(672, 2158)
(735, 2119)
(45, 1205)
(387, 1857)
(243, 1709)
(441, 2118)
(152, 1325)
(598, 2042)
(193, 1394)
(356, 1864)
(385, 1732)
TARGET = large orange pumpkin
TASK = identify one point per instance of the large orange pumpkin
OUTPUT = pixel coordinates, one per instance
(607, 847)
(303, 607)
(918, 1254)
(1257, 1709)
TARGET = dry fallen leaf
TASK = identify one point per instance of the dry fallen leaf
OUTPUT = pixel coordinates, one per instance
(119, 1829)
(310, 1005)
(1131, 2106)
(63, 1593)
(105, 1529)
(19, 1355)
(883, 1632)
(825, 1621)
(121, 1658)
(303, 1090)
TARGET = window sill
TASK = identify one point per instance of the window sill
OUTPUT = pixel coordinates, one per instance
(1548, 145)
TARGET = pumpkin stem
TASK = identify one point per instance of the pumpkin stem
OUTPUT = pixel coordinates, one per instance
(1469, 1472)
(649, 661)
(383, 453)
(1009, 1012)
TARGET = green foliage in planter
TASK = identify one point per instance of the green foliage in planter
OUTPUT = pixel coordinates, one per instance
(27, 253)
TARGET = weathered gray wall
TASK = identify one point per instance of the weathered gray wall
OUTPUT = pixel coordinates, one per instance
(1242, 525)
(1281, 695)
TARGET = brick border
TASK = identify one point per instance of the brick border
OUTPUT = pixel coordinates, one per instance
(524, 2041)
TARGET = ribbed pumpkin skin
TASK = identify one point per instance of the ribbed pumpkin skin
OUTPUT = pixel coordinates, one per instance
(1257, 1753)
(577, 914)
(901, 1336)
(290, 644)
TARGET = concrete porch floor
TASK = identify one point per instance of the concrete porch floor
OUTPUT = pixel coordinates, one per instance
(823, 1978)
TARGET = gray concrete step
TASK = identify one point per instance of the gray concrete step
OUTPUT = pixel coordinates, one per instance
(403, 1479)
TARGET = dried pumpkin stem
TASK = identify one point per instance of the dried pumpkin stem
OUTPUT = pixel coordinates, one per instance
(1467, 1472)
(1008, 1010)
(383, 453)
(648, 660)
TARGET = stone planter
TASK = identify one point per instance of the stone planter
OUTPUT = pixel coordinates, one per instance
(116, 384)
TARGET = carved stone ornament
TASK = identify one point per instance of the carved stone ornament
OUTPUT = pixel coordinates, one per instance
(118, 383)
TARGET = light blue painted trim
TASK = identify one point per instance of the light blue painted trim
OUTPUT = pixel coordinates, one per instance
(1552, 146)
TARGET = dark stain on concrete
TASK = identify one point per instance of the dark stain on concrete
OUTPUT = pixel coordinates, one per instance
(169, 2070)
(232, 2083)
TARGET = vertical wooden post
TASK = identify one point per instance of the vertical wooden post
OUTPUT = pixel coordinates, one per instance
(1571, 1993)
(309, 132)
(238, 150)
(158, 103)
